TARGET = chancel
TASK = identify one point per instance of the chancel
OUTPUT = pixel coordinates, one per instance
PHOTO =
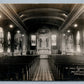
(41, 42)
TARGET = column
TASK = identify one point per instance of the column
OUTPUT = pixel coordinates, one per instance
(12, 43)
(5, 44)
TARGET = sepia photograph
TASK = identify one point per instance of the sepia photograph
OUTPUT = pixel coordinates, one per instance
(42, 42)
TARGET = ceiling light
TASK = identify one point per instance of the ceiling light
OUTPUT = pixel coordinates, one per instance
(18, 31)
(63, 34)
(75, 25)
(11, 26)
(64, 14)
(68, 31)
(22, 35)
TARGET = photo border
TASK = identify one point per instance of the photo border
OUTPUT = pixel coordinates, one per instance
(42, 2)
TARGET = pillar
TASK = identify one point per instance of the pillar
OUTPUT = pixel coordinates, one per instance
(5, 44)
(28, 42)
(12, 43)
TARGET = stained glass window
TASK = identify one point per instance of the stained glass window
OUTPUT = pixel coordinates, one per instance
(53, 37)
(33, 40)
(78, 41)
(1, 39)
(8, 38)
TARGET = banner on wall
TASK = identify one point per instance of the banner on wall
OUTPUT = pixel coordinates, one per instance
(33, 40)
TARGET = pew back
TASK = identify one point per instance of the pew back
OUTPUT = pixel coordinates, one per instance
(67, 67)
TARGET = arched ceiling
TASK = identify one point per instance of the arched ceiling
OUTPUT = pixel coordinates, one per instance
(33, 16)
(22, 7)
(43, 14)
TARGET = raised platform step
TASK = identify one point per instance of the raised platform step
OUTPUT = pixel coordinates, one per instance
(43, 56)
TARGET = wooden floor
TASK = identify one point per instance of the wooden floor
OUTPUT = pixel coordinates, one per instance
(43, 72)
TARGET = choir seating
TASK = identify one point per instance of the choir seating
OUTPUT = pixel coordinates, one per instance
(18, 67)
(67, 67)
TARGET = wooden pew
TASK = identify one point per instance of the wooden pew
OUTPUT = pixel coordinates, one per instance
(67, 67)
(17, 67)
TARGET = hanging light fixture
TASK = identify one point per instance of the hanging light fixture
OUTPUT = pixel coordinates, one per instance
(75, 25)
(18, 31)
(22, 35)
(63, 34)
(68, 31)
(11, 26)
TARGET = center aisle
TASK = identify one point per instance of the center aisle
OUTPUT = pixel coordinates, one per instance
(43, 72)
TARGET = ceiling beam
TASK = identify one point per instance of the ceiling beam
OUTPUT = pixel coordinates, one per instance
(44, 17)
(10, 12)
(77, 10)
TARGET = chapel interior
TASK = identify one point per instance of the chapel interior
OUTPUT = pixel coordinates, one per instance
(41, 42)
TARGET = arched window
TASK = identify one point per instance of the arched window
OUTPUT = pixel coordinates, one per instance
(78, 41)
(33, 40)
(8, 38)
(53, 37)
(1, 39)
(40, 42)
